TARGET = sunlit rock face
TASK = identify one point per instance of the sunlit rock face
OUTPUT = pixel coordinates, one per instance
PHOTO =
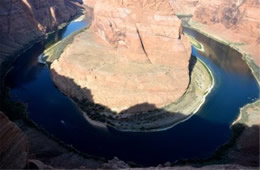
(138, 55)
(144, 31)
(24, 21)
(14, 145)
(236, 21)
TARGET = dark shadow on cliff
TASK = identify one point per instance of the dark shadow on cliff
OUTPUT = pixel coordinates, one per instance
(243, 153)
(192, 63)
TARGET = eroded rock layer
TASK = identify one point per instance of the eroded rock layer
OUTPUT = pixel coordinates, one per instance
(135, 53)
(14, 145)
(235, 21)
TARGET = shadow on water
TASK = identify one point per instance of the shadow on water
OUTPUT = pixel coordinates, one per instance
(196, 141)
(196, 138)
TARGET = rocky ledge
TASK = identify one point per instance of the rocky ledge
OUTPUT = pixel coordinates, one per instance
(130, 64)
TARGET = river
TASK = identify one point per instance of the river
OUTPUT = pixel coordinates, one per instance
(198, 137)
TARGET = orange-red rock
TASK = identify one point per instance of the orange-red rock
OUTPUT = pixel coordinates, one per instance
(137, 55)
(233, 21)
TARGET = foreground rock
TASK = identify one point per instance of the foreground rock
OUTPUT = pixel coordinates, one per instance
(246, 149)
(135, 45)
(235, 23)
(14, 145)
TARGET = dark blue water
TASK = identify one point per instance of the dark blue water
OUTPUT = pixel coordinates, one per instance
(197, 137)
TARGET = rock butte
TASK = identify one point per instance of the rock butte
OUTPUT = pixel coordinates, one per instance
(145, 60)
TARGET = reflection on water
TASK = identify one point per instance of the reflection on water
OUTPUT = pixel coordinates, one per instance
(197, 137)
(225, 57)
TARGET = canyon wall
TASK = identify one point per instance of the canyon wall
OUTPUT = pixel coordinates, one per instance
(14, 145)
(236, 22)
(134, 53)
(23, 21)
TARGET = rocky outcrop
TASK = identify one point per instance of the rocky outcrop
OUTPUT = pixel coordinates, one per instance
(237, 23)
(246, 149)
(14, 145)
(137, 55)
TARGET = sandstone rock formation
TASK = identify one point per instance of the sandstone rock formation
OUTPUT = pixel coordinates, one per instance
(138, 55)
(234, 21)
(23, 21)
(14, 145)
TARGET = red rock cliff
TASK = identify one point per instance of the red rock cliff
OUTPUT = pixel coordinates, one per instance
(23, 21)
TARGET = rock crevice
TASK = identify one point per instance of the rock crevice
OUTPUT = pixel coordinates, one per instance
(138, 44)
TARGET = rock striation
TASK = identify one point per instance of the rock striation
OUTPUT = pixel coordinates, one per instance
(235, 22)
(21, 22)
(138, 55)
(14, 145)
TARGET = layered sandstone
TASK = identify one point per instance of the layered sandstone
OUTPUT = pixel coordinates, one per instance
(24, 21)
(14, 145)
(135, 53)
(237, 23)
